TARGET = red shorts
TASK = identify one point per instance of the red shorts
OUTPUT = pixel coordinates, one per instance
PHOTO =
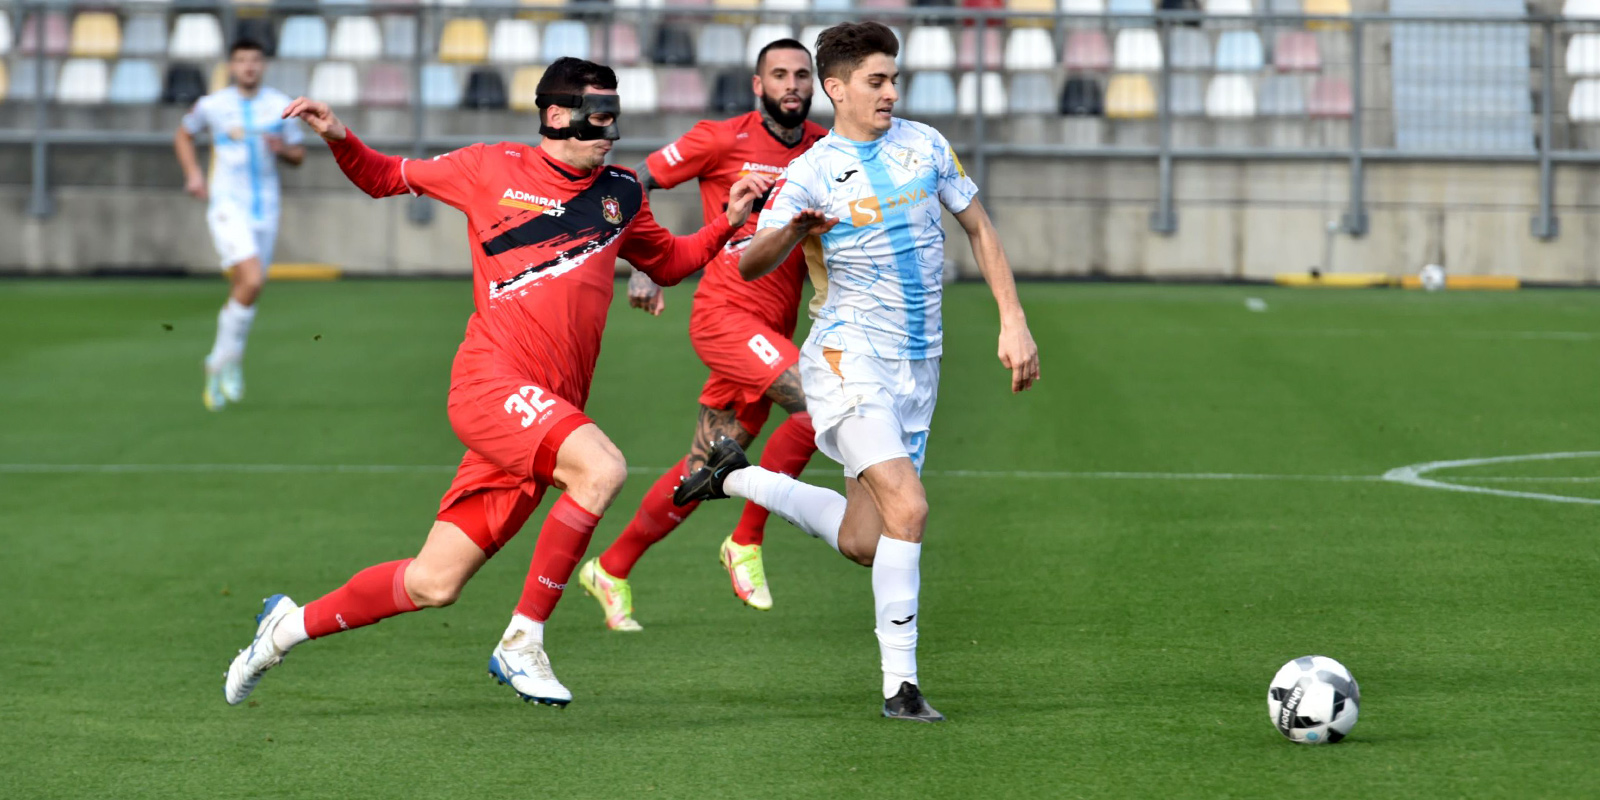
(745, 354)
(513, 430)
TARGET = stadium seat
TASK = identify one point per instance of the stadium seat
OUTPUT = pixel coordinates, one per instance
(304, 38)
(1137, 50)
(621, 49)
(565, 38)
(1188, 95)
(1330, 97)
(930, 47)
(731, 94)
(931, 94)
(1179, 5)
(1188, 48)
(5, 40)
(1583, 55)
(1239, 51)
(994, 94)
(441, 86)
(1082, 7)
(785, 5)
(219, 78)
(1032, 93)
(96, 34)
(1030, 48)
(386, 85)
(720, 46)
(335, 83)
(83, 82)
(399, 36)
(135, 81)
(183, 86)
(464, 41)
(674, 46)
(1089, 50)
(24, 80)
(256, 29)
(682, 91)
(293, 78)
(637, 86)
(867, 5)
(195, 36)
(1031, 7)
(1581, 9)
(5, 81)
(761, 36)
(1281, 96)
(1284, 6)
(486, 90)
(1081, 97)
(55, 37)
(1230, 7)
(525, 89)
(1230, 97)
(809, 34)
(682, 3)
(967, 49)
(1130, 96)
(1297, 51)
(356, 38)
(514, 41)
(1327, 8)
(345, 3)
(552, 5)
(1127, 7)
(1584, 103)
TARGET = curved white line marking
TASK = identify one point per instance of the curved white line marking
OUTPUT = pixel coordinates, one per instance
(1413, 476)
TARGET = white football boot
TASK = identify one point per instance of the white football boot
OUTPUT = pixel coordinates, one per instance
(232, 382)
(520, 662)
(213, 396)
(254, 661)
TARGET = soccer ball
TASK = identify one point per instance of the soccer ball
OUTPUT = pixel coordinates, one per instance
(1432, 277)
(1313, 700)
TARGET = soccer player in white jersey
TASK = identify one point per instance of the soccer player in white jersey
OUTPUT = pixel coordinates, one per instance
(872, 190)
(249, 136)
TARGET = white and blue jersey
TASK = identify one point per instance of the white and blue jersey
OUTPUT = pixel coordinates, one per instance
(244, 172)
(885, 258)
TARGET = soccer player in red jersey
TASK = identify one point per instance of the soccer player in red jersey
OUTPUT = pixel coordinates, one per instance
(742, 330)
(546, 224)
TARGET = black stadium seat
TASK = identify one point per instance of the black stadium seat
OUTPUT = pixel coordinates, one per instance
(258, 30)
(674, 47)
(185, 84)
(1082, 98)
(732, 93)
(486, 90)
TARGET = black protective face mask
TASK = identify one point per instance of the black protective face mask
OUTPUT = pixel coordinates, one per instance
(583, 106)
(786, 119)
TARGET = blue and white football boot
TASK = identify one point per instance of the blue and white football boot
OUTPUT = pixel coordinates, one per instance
(520, 662)
(253, 662)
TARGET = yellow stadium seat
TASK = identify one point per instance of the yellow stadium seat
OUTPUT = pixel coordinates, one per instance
(96, 34)
(1130, 96)
(219, 78)
(731, 5)
(464, 41)
(1328, 8)
(524, 86)
(1031, 7)
(541, 10)
(5, 81)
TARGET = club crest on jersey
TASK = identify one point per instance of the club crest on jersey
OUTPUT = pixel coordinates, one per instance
(611, 210)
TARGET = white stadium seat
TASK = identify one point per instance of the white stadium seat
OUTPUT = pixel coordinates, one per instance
(195, 37)
(356, 38)
(761, 36)
(1137, 50)
(1584, 104)
(1230, 97)
(84, 81)
(1029, 49)
(930, 47)
(994, 94)
(637, 87)
(335, 83)
(1583, 55)
(514, 41)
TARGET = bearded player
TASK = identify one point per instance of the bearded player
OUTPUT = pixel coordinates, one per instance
(872, 190)
(545, 225)
(742, 330)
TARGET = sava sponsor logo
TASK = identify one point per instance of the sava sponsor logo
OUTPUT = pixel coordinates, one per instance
(532, 202)
(871, 210)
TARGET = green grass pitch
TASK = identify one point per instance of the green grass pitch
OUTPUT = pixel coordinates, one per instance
(1089, 634)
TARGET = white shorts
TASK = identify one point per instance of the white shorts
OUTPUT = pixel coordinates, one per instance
(238, 237)
(840, 385)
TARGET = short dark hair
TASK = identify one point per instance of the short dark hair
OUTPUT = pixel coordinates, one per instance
(242, 44)
(779, 44)
(842, 48)
(568, 75)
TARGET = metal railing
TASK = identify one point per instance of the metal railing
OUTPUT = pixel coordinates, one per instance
(1374, 55)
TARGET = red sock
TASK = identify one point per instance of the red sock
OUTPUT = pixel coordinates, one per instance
(562, 540)
(373, 594)
(656, 518)
(788, 450)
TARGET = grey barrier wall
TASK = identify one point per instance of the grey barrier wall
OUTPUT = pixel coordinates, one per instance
(1171, 143)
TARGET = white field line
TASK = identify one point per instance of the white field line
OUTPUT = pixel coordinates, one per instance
(1416, 475)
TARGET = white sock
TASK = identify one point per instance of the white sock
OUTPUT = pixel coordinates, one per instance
(812, 509)
(291, 631)
(896, 579)
(233, 331)
(526, 625)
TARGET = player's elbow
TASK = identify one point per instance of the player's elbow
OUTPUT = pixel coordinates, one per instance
(750, 267)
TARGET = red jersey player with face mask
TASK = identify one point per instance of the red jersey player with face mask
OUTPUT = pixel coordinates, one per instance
(545, 225)
(742, 330)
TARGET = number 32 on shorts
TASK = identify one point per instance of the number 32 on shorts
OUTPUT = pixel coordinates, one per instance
(530, 402)
(764, 350)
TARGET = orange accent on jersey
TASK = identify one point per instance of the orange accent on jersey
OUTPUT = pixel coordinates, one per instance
(833, 357)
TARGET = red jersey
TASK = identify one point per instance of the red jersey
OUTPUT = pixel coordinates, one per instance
(719, 154)
(544, 241)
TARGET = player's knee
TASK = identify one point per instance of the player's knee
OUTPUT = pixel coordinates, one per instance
(601, 477)
(907, 515)
(429, 589)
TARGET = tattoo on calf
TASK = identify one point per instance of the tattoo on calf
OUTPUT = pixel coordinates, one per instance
(715, 423)
(787, 392)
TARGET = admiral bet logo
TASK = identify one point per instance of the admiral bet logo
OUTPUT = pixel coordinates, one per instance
(872, 209)
(532, 202)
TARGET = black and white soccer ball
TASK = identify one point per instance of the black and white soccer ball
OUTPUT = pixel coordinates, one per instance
(1314, 700)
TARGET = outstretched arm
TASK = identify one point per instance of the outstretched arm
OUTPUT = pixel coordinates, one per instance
(772, 245)
(1018, 352)
(373, 172)
(668, 259)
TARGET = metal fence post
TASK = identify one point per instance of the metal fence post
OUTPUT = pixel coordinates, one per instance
(1164, 219)
(40, 204)
(1355, 215)
(1546, 225)
(980, 145)
(420, 211)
